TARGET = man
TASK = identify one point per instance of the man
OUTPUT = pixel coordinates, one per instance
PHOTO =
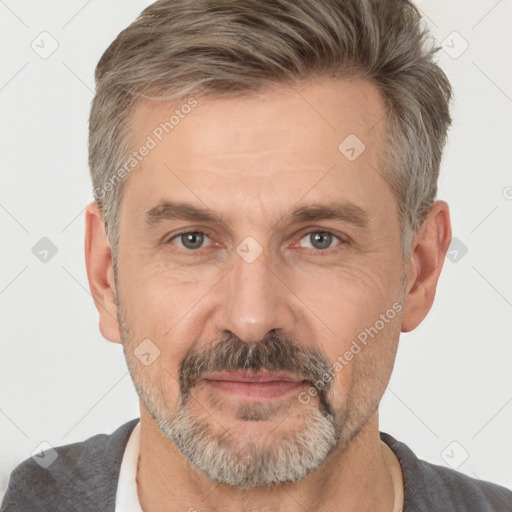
(264, 227)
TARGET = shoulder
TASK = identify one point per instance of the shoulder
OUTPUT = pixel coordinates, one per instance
(432, 487)
(83, 473)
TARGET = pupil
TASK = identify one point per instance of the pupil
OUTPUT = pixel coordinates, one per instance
(317, 237)
(195, 240)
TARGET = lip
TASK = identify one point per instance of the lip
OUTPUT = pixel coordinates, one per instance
(253, 386)
(243, 376)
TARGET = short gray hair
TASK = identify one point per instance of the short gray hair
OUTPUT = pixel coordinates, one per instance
(177, 48)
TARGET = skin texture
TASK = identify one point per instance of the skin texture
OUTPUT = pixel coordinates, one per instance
(252, 160)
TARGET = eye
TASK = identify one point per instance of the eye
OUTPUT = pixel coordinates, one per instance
(194, 240)
(320, 240)
(190, 239)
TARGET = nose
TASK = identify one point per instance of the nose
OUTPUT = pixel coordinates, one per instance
(256, 300)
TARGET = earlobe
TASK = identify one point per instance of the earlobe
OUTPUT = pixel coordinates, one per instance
(100, 273)
(427, 259)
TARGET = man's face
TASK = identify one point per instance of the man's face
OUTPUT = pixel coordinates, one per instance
(259, 291)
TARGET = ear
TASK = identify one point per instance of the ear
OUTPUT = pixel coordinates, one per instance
(429, 249)
(100, 273)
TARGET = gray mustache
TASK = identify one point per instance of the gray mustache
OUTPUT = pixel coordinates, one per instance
(273, 353)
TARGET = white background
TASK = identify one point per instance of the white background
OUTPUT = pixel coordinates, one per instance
(61, 382)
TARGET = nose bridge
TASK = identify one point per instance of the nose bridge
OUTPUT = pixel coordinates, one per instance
(254, 298)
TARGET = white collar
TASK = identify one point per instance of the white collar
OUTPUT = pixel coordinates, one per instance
(127, 499)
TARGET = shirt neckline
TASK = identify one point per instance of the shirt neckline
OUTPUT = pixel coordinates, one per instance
(127, 499)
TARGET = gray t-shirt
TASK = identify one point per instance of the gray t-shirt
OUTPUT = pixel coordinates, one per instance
(84, 478)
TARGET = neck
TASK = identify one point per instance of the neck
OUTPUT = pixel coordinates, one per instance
(355, 479)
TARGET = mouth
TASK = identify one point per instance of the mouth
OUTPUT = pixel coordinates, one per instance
(254, 386)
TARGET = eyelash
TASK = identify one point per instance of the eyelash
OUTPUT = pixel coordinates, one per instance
(343, 241)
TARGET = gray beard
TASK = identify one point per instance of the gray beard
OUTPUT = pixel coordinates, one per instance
(252, 464)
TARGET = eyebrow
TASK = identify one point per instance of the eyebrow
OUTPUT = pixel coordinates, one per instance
(344, 211)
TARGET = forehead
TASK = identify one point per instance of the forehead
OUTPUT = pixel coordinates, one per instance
(320, 142)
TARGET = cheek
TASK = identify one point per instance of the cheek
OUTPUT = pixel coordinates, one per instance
(149, 345)
(365, 365)
(160, 299)
(346, 299)
(364, 319)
